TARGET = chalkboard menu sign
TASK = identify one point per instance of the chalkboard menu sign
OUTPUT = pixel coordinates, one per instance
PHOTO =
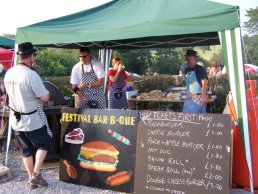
(182, 153)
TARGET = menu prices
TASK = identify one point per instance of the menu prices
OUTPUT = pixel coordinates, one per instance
(182, 153)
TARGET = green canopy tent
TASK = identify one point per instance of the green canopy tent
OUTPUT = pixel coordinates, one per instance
(149, 24)
(7, 43)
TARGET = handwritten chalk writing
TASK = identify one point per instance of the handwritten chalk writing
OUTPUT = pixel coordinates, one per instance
(196, 182)
(214, 155)
(155, 188)
(163, 151)
(175, 161)
(168, 116)
(213, 186)
(214, 146)
(155, 168)
(170, 124)
(172, 170)
(156, 132)
(68, 117)
(176, 181)
(213, 132)
(178, 133)
(156, 180)
(151, 141)
(100, 119)
(155, 159)
(152, 150)
(205, 118)
(192, 145)
(172, 143)
(210, 175)
(189, 171)
(188, 151)
(218, 125)
(212, 166)
(126, 120)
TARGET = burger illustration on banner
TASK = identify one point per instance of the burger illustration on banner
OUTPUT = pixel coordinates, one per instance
(76, 136)
(99, 156)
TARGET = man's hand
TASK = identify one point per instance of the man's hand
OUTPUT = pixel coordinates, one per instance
(82, 86)
(85, 99)
(204, 99)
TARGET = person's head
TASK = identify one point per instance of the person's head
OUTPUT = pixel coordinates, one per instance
(115, 62)
(214, 63)
(84, 55)
(191, 58)
(27, 53)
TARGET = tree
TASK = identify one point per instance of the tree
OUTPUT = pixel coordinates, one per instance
(135, 60)
(10, 36)
(56, 62)
(252, 24)
(251, 49)
(167, 61)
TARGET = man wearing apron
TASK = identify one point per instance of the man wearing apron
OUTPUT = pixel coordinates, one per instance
(116, 87)
(26, 90)
(196, 85)
(87, 79)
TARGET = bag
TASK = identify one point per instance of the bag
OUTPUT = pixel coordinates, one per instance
(93, 104)
(118, 95)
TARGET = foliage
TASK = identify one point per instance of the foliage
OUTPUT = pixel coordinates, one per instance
(251, 48)
(159, 82)
(252, 24)
(56, 62)
(135, 60)
(219, 86)
(10, 36)
(166, 61)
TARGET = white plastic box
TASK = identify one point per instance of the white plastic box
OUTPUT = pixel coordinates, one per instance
(129, 94)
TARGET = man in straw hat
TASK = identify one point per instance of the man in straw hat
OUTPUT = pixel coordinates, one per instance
(25, 90)
(196, 84)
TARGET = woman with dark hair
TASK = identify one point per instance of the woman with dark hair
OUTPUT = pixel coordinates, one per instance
(116, 87)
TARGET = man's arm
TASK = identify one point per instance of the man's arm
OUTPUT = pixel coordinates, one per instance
(98, 83)
(204, 90)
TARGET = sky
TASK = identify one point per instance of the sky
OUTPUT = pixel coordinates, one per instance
(19, 13)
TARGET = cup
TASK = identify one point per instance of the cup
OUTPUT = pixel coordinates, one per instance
(209, 93)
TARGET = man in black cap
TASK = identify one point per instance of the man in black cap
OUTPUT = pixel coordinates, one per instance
(196, 84)
(25, 90)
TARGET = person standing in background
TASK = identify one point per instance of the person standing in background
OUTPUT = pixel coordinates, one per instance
(215, 70)
(25, 90)
(87, 79)
(116, 87)
(196, 84)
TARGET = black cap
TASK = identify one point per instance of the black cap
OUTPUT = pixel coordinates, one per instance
(191, 53)
(25, 48)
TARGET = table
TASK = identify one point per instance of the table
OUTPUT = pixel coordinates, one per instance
(161, 100)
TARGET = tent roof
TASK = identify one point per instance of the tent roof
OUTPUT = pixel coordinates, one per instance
(136, 24)
(6, 43)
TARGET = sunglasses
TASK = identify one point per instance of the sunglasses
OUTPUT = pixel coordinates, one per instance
(34, 54)
(84, 56)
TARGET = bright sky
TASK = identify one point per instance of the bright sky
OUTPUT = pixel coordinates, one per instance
(14, 14)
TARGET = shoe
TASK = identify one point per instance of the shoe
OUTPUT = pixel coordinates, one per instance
(37, 181)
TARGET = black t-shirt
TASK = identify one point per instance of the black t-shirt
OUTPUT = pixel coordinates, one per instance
(200, 73)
